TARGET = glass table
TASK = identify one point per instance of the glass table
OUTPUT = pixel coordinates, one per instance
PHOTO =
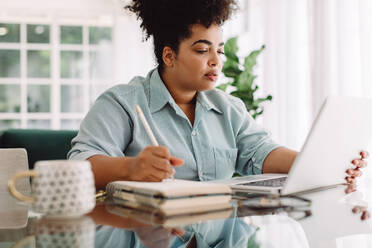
(328, 218)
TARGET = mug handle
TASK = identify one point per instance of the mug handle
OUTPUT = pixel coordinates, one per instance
(12, 189)
(26, 241)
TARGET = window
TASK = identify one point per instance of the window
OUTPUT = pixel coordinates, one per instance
(48, 72)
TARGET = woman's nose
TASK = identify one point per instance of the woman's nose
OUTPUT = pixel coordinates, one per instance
(214, 61)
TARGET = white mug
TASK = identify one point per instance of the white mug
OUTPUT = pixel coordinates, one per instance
(60, 188)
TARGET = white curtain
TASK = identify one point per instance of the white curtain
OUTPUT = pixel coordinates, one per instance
(342, 48)
(314, 48)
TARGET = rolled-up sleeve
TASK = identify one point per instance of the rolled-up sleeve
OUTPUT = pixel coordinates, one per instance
(106, 130)
(254, 144)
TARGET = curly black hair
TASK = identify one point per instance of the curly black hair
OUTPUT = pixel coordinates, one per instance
(169, 21)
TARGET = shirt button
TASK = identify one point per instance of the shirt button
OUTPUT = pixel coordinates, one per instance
(193, 133)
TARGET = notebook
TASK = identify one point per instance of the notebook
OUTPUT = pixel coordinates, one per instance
(340, 131)
(180, 216)
(170, 194)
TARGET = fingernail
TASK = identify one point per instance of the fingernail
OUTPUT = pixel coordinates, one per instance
(366, 215)
(364, 154)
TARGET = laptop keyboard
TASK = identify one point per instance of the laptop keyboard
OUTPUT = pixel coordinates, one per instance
(276, 182)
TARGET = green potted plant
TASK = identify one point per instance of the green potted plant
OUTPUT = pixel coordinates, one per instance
(242, 78)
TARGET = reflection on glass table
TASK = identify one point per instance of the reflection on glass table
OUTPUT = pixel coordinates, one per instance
(233, 232)
(169, 218)
(117, 228)
(333, 223)
(77, 232)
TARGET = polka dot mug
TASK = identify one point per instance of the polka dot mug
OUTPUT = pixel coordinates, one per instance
(60, 188)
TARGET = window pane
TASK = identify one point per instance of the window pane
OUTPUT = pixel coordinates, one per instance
(6, 124)
(38, 64)
(70, 124)
(10, 98)
(10, 63)
(71, 64)
(71, 98)
(38, 98)
(37, 33)
(71, 35)
(38, 124)
(9, 32)
(99, 34)
(100, 64)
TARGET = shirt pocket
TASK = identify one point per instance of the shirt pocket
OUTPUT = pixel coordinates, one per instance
(225, 160)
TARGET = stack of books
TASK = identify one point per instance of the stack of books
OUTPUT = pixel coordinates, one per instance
(171, 202)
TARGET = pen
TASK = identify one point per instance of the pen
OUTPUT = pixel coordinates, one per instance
(147, 128)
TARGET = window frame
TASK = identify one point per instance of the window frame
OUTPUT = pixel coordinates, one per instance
(55, 81)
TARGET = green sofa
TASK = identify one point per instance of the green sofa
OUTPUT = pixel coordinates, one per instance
(40, 144)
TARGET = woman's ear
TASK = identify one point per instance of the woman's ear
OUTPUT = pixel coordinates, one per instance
(168, 56)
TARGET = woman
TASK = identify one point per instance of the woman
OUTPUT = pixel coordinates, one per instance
(204, 134)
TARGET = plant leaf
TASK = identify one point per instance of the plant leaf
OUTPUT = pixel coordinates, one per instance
(251, 60)
(231, 68)
(242, 77)
(231, 48)
(223, 87)
(261, 100)
(245, 81)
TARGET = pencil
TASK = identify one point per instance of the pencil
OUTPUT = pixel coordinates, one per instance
(148, 129)
(146, 126)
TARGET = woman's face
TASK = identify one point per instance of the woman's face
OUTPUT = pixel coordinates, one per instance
(198, 62)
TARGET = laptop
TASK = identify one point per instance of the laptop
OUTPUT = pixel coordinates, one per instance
(342, 128)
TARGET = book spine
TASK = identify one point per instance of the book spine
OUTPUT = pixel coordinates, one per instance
(110, 189)
(137, 198)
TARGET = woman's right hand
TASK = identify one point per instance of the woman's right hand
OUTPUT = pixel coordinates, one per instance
(153, 164)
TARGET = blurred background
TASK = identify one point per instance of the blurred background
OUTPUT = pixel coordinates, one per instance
(56, 57)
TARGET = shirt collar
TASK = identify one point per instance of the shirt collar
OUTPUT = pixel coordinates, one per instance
(204, 99)
(160, 96)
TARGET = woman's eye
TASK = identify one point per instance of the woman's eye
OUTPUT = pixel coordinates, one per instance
(221, 52)
(202, 51)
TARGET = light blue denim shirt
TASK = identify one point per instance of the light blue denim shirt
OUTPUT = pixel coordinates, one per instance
(223, 139)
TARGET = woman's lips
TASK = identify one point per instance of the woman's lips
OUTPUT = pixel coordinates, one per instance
(212, 76)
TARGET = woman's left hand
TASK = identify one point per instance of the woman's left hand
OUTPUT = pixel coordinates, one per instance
(356, 172)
